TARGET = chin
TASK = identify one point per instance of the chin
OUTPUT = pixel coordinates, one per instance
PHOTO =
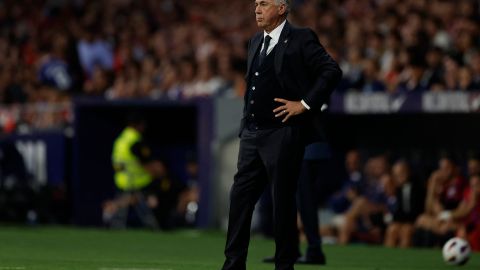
(263, 26)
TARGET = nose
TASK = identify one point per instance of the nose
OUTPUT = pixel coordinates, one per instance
(257, 10)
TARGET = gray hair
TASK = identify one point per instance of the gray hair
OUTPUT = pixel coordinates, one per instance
(287, 3)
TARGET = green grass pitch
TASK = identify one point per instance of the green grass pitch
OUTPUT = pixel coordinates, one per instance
(95, 249)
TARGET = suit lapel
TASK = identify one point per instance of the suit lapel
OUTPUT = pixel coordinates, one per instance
(253, 50)
(281, 46)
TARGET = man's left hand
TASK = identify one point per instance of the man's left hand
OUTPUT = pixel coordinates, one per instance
(288, 109)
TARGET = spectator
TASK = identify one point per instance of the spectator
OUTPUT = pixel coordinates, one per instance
(187, 206)
(340, 201)
(410, 79)
(353, 184)
(434, 72)
(94, 52)
(352, 69)
(371, 81)
(465, 80)
(444, 193)
(364, 219)
(97, 84)
(474, 65)
(53, 66)
(473, 165)
(469, 212)
(451, 65)
(405, 206)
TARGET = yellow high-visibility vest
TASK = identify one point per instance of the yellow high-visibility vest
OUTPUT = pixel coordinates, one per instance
(129, 172)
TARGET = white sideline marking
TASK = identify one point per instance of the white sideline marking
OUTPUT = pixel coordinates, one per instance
(118, 268)
(12, 268)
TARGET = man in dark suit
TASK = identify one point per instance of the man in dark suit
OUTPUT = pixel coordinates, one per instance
(289, 77)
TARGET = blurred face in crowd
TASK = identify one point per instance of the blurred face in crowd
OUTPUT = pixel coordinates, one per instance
(187, 70)
(387, 184)
(473, 166)
(464, 78)
(417, 72)
(354, 55)
(434, 58)
(352, 161)
(376, 167)
(436, 87)
(450, 65)
(475, 183)
(446, 168)
(475, 63)
(380, 166)
(370, 69)
(269, 14)
(400, 173)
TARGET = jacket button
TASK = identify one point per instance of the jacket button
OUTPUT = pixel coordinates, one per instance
(256, 74)
(252, 101)
(253, 88)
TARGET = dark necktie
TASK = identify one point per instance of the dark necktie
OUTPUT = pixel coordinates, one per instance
(263, 53)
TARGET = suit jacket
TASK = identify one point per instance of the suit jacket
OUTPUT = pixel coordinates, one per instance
(304, 70)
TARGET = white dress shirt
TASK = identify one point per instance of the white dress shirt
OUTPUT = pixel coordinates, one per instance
(275, 35)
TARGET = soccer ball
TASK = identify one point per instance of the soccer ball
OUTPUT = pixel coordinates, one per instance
(456, 251)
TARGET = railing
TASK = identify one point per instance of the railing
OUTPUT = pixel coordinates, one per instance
(427, 102)
(25, 118)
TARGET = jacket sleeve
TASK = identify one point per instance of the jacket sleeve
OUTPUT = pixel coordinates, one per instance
(322, 67)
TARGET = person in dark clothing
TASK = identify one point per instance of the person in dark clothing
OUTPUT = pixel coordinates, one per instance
(315, 158)
(405, 207)
(289, 77)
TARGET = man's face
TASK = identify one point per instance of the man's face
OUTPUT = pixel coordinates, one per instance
(268, 14)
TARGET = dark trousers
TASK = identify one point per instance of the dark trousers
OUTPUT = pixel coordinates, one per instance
(307, 200)
(273, 155)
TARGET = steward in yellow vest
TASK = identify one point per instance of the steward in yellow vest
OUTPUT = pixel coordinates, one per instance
(128, 154)
(134, 174)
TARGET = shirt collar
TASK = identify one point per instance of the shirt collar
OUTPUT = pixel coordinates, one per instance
(275, 34)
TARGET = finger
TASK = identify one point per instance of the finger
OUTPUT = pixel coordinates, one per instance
(284, 101)
(281, 113)
(281, 108)
(286, 118)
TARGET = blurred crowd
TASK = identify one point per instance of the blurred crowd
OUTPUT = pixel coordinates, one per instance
(54, 50)
(400, 46)
(387, 201)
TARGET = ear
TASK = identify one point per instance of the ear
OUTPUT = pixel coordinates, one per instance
(282, 9)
